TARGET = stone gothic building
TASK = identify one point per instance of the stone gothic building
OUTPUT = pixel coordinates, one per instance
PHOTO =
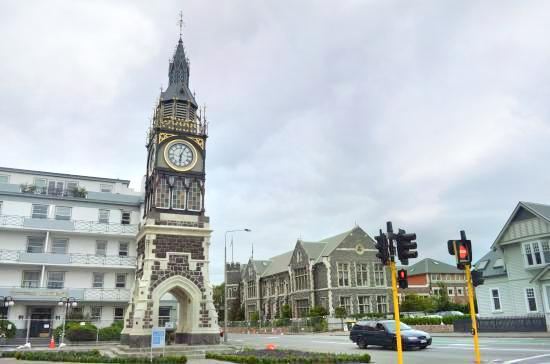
(342, 270)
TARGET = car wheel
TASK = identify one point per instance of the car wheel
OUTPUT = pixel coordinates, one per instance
(362, 344)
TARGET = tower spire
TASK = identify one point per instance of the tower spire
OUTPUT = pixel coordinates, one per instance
(180, 22)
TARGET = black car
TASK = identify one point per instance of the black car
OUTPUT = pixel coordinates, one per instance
(382, 333)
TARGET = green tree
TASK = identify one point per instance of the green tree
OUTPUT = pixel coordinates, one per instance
(317, 311)
(340, 312)
(218, 296)
(442, 301)
(413, 302)
(286, 312)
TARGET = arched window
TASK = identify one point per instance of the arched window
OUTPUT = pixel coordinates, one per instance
(194, 197)
(178, 195)
(162, 194)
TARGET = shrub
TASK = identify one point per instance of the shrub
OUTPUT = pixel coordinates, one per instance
(7, 329)
(317, 311)
(111, 333)
(286, 312)
(288, 356)
(421, 320)
(92, 356)
(87, 332)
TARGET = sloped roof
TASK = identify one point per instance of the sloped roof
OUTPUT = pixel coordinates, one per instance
(260, 265)
(333, 242)
(429, 265)
(489, 270)
(278, 264)
(313, 250)
(540, 210)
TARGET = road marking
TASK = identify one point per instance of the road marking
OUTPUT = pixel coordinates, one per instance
(330, 342)
(524, 359)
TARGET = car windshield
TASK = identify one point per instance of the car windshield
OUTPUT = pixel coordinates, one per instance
(390, 326)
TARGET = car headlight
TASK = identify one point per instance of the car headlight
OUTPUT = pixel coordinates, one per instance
(412, 338)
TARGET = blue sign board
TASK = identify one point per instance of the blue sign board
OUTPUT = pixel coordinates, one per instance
(158, 337)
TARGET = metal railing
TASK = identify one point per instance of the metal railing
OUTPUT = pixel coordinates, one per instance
(528, 323)
(54, 294)
(69, 225)
(71, 258)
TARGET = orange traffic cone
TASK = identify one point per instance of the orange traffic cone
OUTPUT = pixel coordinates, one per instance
(52, 344)
(270, 346)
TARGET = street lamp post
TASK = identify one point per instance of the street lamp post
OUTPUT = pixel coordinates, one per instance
(7, 302)
(225, 281)
(66, 302)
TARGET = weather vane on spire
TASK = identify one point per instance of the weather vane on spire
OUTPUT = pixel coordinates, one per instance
(180, 22)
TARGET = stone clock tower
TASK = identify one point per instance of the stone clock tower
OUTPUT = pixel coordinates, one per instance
(174, 238)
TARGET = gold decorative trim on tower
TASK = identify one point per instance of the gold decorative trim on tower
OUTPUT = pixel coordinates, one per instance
(164, 136)
(199, 141)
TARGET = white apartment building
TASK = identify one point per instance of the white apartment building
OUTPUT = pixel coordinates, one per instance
(65, 236)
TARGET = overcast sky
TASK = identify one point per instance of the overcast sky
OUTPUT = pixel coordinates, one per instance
(323, 114)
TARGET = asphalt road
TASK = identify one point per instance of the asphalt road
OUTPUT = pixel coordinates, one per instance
(446, 350)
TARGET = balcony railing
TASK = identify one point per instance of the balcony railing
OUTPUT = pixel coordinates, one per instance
(69, 225)
(54, 191)
(81, 294)
(19, 256)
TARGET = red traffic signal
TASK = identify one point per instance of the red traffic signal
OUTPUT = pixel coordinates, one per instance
(462, 249)
(402, 278)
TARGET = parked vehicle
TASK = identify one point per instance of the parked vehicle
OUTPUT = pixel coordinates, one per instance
(382, 333)
(449, 313)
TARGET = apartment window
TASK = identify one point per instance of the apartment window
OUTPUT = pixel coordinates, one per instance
(62, 213)
(536, 253)
(4, 178)
(450, 292)
(95, 313)
(35, 244)
(436, 291)
(31, 279)
(531, 300)
(72, 186)
(364, 304)
(98, 280)
(39, 211)
(120, 281)
(459, 291)
(103, 216)
(106, 188)
(302, 308)
(345, 301)
(118, 313)
(125, 218)
(343, 274)
(495, 298)
(362, 273)
(123, 249)
(56, 280)
(59, 246)
(41, 185)
(379, 275)
(301, 279)
(101, 248)
(381, 304)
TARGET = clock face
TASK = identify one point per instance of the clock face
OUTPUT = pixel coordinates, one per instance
(180, 155)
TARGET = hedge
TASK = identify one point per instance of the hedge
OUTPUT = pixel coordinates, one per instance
(288, 356)
(92, 356)
(448, 320)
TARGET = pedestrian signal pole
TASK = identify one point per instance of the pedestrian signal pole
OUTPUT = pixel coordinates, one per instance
(393, 271)
(462, 249)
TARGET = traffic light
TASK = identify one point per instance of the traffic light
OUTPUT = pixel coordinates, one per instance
(382, 246)
(477, 278)
(402, 278)
(406, 246)
(462, 249)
